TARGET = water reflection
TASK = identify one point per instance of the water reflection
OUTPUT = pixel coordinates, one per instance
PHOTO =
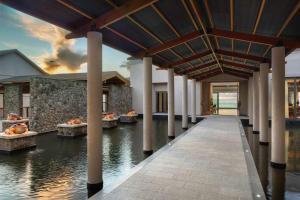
(57, 168)
(278, 184)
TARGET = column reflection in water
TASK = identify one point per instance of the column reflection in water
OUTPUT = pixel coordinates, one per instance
(278, 183)
(263, 166)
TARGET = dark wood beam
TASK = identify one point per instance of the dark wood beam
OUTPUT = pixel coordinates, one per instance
(170, 44)
(209, 75)
(243, 56)
(238, 71)
(238, 65)
(236, 74)
(204, 73)
(188, 59)
(202, 66)
(112, 16)
(273, 41)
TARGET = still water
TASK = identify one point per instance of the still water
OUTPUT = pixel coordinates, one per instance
(278, 184)
(57, 168)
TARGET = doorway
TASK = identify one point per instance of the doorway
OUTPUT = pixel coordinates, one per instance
(225, 98)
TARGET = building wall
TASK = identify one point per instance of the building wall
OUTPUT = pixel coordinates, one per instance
(159, 80)
(55, 101)
(14, 65)
(119, 99)
(12, 99)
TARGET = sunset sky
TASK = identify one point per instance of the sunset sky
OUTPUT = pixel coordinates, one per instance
(44, 44)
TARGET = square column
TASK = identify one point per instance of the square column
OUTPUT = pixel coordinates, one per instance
(94, 112)
(193, 101)
(263, 104)
(278, 121)
(171, 115)
(250, 100)
(255, 102)
(147, 106)
(184, 102)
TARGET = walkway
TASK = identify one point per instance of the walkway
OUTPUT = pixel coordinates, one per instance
(208, 162)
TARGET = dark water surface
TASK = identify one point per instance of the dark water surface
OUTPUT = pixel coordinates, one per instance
(57, 168)
(278, 184)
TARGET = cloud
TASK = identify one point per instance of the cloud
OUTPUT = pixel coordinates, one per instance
(62, 56)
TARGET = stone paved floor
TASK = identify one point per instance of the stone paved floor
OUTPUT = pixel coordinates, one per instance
(207, 163)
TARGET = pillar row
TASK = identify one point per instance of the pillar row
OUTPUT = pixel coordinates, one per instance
(250, 100)
(278, 110)
(147, 106)
(193, 101)
(94, 112)
(184, 102)
(256, 102)
(171, 115)
(263, 104)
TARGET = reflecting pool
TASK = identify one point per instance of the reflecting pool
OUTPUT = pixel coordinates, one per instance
(278, 184)
(57, 168)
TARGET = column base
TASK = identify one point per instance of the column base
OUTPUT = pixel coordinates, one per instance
(148, 152)
(171, 137)
(264, 143)
(185, 128)
(278, 165)
(255, 132)
(194, 122)
(250, 125)
(94, 188)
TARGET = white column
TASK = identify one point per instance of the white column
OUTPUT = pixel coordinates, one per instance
(94, 112)
(193, 101)
(147, 106)
(263, 104)
(171, 115)
(184, 102)
(256, 102)
(250, 100)
(200, 97)
(278, 120)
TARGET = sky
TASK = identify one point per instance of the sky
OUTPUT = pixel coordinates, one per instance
(45, 45)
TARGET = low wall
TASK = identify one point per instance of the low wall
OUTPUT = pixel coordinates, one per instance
(54, 101)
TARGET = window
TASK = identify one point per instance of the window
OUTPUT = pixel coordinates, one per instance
(162, 101)
(26, 105)
(104, 102)
(1, 106)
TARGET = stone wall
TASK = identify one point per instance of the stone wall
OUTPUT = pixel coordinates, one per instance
(119, 99)
(55, 101)
(12, 99)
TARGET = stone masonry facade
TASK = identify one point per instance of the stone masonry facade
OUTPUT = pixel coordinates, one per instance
(54, 102)
(13, 99)
(119, 99)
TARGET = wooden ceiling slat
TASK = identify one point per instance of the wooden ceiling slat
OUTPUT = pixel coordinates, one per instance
(202, 66)
(243, 56)
(115, 15)
(238, 65)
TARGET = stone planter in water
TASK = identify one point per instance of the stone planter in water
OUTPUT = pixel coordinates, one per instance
(16, 142)
(8, 123)
(110, 123)
(128, 118)
(75, 130)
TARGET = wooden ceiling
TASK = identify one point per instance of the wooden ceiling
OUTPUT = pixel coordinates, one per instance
(200, 38)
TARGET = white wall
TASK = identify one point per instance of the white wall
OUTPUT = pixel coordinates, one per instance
(13, 65)
(160, 80)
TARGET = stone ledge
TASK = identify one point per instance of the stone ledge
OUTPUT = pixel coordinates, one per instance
(66, 130)
(10, 143)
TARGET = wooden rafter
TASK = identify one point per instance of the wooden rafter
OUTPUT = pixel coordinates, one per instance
(170, 44)
(170, 25)
(188, 59)
(202, 66)
(238, 65)
(243, 56)
(286, 22)
(288, 43)
(210, 74)
(237, 71)
(110, 17)
(226, 71)
(197, 12)
(261, 8)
